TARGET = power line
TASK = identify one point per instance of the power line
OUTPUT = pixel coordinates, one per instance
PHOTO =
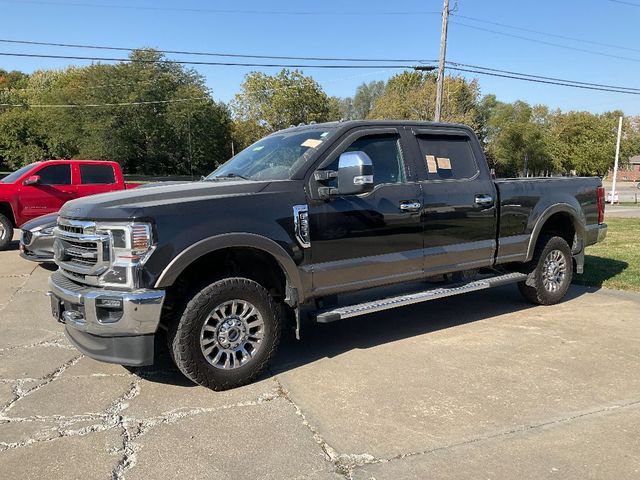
(541, 77)
(544, 42)
(224, 11)
(212, 54)
(632, 4)
(548, 34)
(194, 62)
(549, 82)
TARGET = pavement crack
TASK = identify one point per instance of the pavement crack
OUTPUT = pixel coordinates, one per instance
(343, 462)
(19, 393)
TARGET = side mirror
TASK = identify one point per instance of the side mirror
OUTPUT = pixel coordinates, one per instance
(355, 173)
(32, 180)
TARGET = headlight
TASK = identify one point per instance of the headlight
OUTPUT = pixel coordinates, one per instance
(131, 245)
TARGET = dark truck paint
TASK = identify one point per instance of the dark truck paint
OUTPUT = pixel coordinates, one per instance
(300, 244)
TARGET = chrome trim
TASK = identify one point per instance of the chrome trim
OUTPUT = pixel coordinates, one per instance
(297, 210)
(353, 159)
(141, 308)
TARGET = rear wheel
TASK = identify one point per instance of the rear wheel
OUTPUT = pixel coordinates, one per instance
(227, 334)
(6, 232)
(550, 272)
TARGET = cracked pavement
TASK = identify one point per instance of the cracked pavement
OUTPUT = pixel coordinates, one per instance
(479, 386)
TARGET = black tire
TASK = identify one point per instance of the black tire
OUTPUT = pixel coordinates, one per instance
(184, 335)
(6, 232)
(538, 288)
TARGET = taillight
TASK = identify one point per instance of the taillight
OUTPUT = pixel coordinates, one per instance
(600, 195)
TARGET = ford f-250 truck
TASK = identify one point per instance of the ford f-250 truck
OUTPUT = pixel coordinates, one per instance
(290, 227)
(41, 188)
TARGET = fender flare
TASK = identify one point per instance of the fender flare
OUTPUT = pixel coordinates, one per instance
(228, 240)
(578, 225)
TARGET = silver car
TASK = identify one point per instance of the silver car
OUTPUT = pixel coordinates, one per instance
(36, 242)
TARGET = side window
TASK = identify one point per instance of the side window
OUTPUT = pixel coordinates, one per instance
(97, 174)
(447, 157)
(385, 154)
(55, 175)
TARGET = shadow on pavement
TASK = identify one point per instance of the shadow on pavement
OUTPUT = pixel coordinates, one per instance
(329, 340)
(599, 269)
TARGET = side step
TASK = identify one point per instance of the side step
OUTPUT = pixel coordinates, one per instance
(365, 308)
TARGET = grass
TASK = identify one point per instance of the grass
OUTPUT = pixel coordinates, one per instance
(614, 263)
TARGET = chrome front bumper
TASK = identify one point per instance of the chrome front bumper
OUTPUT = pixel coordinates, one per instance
(105, 313)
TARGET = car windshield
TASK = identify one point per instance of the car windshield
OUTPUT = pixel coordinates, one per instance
(275, 157)
(12, 177)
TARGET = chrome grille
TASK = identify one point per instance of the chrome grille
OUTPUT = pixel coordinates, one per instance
(81, 253)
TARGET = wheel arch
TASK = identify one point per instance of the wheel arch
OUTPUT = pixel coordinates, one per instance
(7, 210)
(562, 220)
(236, 241)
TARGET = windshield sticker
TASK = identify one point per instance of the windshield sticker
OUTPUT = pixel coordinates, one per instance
(324, 134)
(431, 164)
(257, 149)
(444, 163)
(311, 143)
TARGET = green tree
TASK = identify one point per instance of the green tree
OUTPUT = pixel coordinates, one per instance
(268, 103)
(411, 95)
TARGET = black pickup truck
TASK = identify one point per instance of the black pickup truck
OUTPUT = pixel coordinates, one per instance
(287, 230)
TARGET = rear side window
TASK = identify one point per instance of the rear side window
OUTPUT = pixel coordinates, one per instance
(447, 157)
(97, 174)
(55, 175)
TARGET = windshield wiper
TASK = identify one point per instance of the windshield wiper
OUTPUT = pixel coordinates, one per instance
(230, 175)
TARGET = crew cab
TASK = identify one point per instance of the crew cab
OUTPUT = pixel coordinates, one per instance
(41, 188)
(291, 227)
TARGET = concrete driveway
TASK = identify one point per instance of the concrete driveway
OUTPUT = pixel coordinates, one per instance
(481, 386)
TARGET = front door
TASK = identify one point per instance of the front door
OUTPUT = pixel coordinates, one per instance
(47, 196)
(361, 241)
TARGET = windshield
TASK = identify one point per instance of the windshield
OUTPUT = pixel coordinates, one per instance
(12, 177)
(275, 157)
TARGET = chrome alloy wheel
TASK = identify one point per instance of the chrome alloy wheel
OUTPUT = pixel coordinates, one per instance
(232, 334)
(554, 271)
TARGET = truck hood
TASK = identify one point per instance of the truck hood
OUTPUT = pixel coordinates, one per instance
(141, 202)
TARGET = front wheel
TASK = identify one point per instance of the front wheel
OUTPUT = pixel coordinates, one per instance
(550, 272)
(227, 334)
(6, 232)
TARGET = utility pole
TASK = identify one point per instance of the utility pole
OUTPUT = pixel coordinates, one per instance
(443, 54)
(615, 163)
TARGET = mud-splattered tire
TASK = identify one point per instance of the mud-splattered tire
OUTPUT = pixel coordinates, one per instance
(6, 232)
(227, 334)
(550, 272)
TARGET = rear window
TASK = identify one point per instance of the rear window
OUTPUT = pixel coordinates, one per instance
(97, 174)
(447, 157)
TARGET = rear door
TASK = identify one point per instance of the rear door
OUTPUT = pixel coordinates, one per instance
(360, 241)
(459, 197)
(96, 178)
(52, 191)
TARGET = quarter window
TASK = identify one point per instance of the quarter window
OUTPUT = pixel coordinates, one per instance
(55, 175)
(97, 174)
(447, 157)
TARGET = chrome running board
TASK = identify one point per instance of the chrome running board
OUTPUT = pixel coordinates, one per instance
(365, 308)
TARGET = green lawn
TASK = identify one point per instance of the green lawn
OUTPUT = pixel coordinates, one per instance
(615, 263)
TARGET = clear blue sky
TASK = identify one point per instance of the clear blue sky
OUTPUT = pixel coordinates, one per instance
(354, 35)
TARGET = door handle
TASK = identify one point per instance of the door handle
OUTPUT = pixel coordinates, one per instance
(483, 200)
(410, 206)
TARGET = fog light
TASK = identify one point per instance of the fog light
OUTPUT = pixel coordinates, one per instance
(114, 303)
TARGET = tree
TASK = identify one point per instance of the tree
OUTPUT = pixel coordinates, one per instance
(268, 103)
(411, 95)
(151, 115)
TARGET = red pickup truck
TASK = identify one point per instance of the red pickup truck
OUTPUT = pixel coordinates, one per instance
(43, 187)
